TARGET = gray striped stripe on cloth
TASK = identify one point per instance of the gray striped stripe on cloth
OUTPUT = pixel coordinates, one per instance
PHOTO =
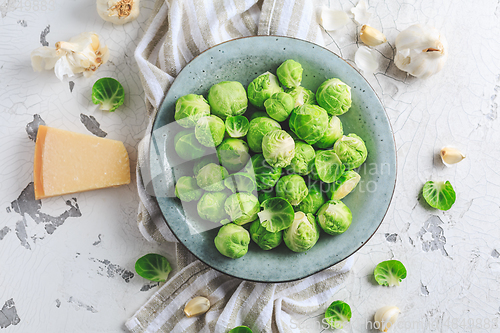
(176, 33)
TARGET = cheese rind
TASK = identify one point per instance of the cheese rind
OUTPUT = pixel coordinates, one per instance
(68, 162)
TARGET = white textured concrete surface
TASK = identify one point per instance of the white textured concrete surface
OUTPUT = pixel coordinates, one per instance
(67, 265)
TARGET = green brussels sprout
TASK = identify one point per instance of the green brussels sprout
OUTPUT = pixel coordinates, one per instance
(266, 194)
(333, 132)
(258, 128)
(263, 87)
(334, 217)
(279, 106)
(290, 73)
(293, 188)
(232, 241)
(264, 239)
(211, 177)
(201, 162)
(278, 148)
(187, 190)
(313, 201)
(309, 122)
(240, 182)
(237, 126)
(241, 329)
(277, 214)
(108, 93)
(345, 184)
(187, 147)
(328, 166)
(302, 234)
(440, 195)
(191, 108)
(334, 96)
(233, 154)
(302, 96)
(302, 161)
(266, 176)
(389, 273)
(153, 267)
(258, 114)
(242, 207)
(337, 314)
(351, 150)
(211, 206)
(210, 131)
(228, 98)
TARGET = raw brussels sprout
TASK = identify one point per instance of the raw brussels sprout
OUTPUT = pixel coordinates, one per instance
(333, 132)
(242, 207)
(200, 163)
(191, 108)
(241, 329)
(232, 241)
(258, 128)
(302, 96)
(334, 96)
(233, 154)
(334, 217)
(351, 150)
(264, 239)
(309, 122)
(440, 195)
(187, 190)
(277, 214)
(211, 177)
(290, 73)
(328, 166)
(279, 106)
(302, 234)
(237, 126)
(266, 176)
(228, 98)
(293, 188)
(211, 206)
(278, 148)
(345, 184)
(389, 273)
(153, 267)
(337, 314)
(108, 93)
(210, 131)
(240, 182)
(313, 201)
(266, 194)
(263, 87)
(258, 114)
(303, 159)
(187, 147)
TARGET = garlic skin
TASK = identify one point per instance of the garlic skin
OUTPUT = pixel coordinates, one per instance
(371, 36)
(451, 155)
(421, 51)
(81, 54)
(385, 317)
(118, 11)
(366, 60)
(333, 19)
(197, 306)
(361, 14)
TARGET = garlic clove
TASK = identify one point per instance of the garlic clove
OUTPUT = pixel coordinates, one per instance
(118, 11)
(371, 36)
(361, 14)
(451, 155)
(333, 19)
(366, 60)
(197, 306)
(385, 317)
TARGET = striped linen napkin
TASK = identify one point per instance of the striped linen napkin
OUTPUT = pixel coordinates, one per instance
(178, 31)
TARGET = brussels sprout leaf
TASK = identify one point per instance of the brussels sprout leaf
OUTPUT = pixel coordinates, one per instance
(337, 314)
(390, 273)
(439, 195)
(277, 214)
(237, 126)
(153, 267)
(109, 93)
(240, 329)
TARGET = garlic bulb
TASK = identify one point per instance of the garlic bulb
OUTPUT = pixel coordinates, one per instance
(118, 11)
(82, 54)
(197, 306)
(385, 317)
(371, 36)
(333, 19)
(421, 51)
(451, 155)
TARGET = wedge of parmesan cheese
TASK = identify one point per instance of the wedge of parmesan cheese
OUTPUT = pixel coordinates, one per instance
(68, 162)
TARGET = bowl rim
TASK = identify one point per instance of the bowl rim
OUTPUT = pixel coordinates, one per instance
(155, 201)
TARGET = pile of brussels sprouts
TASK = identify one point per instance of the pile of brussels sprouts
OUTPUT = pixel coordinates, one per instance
(273, 174)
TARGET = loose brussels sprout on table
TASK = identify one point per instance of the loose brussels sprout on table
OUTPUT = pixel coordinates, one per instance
(242, 207)
(440, 195)
(211, 206)
(337, 314)
(302, 96)
(187, 190)
(351, 150)
(263, 87)
(187, 146)
(334, 217)
(210, 131)
(279, 106)
(278, 148)
(290, 73)
(264, 239)
(333, 132)
(228, 98)
(293, 188)
(232, 241)
(191, 108)
(302, 234)
(237, 126)
(309, 122)
(211, 177)
(233, 154)
(334, 96)
(258, 128)
(303, 160)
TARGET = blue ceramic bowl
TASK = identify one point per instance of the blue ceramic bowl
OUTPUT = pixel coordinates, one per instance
(242, 60)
